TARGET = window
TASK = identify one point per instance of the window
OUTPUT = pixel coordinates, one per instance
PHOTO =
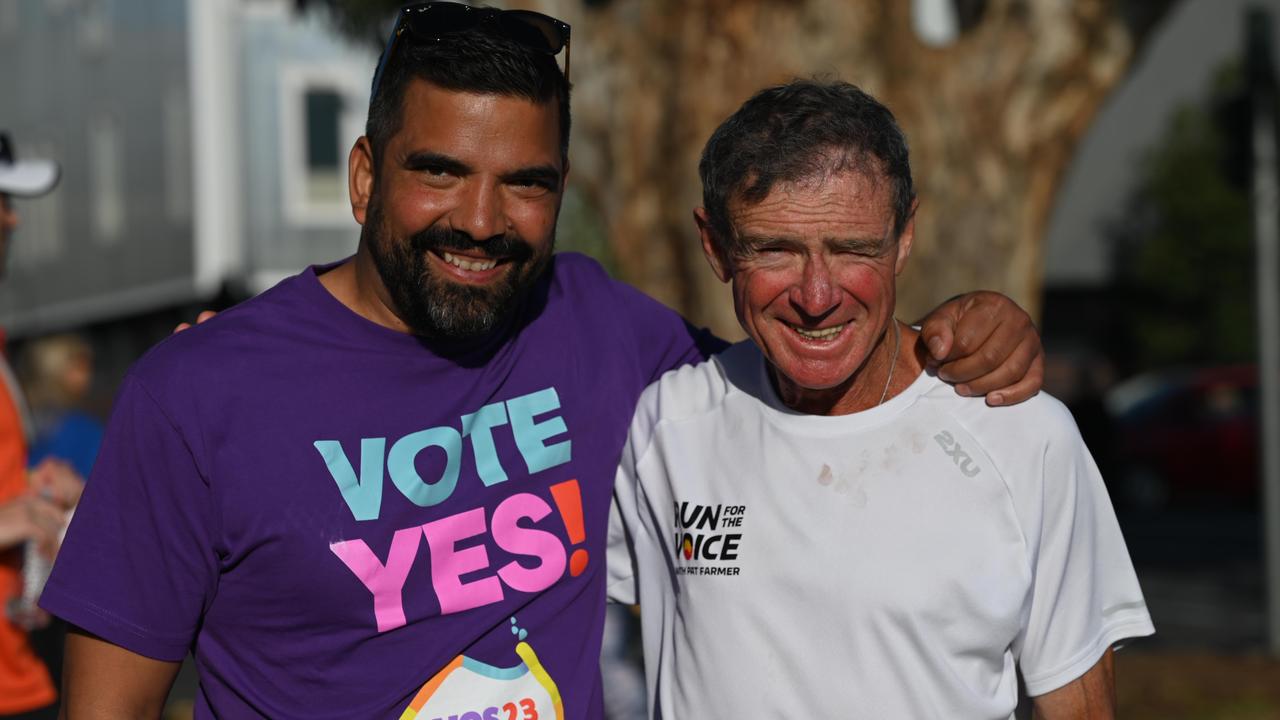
(321, 115)
(177, 154)
(326, 182)
(106, 180)
(94, 19)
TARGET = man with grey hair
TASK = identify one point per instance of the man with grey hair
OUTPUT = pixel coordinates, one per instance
(814, 524)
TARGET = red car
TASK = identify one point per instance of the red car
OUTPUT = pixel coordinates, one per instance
(1186, 436)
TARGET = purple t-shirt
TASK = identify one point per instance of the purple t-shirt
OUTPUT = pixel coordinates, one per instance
(339, 522)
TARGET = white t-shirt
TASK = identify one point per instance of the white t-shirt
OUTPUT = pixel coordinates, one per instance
(901, 562)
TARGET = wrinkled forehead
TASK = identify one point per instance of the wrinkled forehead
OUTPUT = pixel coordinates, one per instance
(809, 166)
(859, 199)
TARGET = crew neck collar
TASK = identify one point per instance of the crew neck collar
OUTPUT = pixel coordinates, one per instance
(778, 412)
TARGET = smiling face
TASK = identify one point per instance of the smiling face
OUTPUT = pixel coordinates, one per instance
(459, 215)
(814, 285)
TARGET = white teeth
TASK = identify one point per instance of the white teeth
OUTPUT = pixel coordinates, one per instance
(469, 264)
(823, 334)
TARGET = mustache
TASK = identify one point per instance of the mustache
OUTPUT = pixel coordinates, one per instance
(508, 246)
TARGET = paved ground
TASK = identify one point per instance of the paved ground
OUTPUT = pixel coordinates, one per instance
(1184, 685)
(1202, 573)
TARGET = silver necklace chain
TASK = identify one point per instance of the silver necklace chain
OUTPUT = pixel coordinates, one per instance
(897, 344)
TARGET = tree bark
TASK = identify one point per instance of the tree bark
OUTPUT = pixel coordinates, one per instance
(992, 120)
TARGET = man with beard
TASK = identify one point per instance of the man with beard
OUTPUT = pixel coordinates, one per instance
(381, 488)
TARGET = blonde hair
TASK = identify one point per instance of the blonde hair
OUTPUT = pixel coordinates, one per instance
(43, 369)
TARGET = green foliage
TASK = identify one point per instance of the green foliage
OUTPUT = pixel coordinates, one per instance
(581, 229)
(1184, 245)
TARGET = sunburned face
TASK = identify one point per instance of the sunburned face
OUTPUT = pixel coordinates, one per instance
(461, 220)
(813, 285)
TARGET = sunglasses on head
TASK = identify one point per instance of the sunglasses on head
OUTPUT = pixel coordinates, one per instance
(431, 22)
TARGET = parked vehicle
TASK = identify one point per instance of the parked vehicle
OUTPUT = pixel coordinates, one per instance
(1186, 436)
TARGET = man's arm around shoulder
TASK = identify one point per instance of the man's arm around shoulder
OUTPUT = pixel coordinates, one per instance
(102, 680)
(1091, 696)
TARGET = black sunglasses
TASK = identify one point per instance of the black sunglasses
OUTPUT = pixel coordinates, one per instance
(430, 22)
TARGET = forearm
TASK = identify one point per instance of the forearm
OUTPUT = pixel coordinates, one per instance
(1091, 696)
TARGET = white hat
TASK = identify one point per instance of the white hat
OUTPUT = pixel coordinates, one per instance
(25, 178)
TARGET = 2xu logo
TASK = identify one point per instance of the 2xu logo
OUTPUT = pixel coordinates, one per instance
(957, 454)
(527, 711)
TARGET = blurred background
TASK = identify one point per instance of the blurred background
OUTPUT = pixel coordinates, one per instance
(1093, 159)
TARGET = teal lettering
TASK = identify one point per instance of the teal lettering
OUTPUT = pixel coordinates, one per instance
(363, 491)
(400, 465)
(363, 494)
(479, 426)
(531, 436)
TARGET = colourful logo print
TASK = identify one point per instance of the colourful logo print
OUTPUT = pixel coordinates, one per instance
(467, 689)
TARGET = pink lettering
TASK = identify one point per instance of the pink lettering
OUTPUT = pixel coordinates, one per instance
(527, 541)
(386, 582)
(449, 562)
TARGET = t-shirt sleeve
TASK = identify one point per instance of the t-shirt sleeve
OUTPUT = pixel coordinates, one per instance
(626, 527)
(621, 557)
(138, 564)
(663, 340)
(1085, 595)
(624, 518)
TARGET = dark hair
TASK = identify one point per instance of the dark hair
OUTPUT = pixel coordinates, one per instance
(476, 60)
(797, 131)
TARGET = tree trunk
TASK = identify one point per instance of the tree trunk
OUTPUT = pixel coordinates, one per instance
(992, 120)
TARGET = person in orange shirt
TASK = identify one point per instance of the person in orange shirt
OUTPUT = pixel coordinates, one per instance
(33, 506)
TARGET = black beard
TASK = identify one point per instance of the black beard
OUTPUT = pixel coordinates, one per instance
(440, 309)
